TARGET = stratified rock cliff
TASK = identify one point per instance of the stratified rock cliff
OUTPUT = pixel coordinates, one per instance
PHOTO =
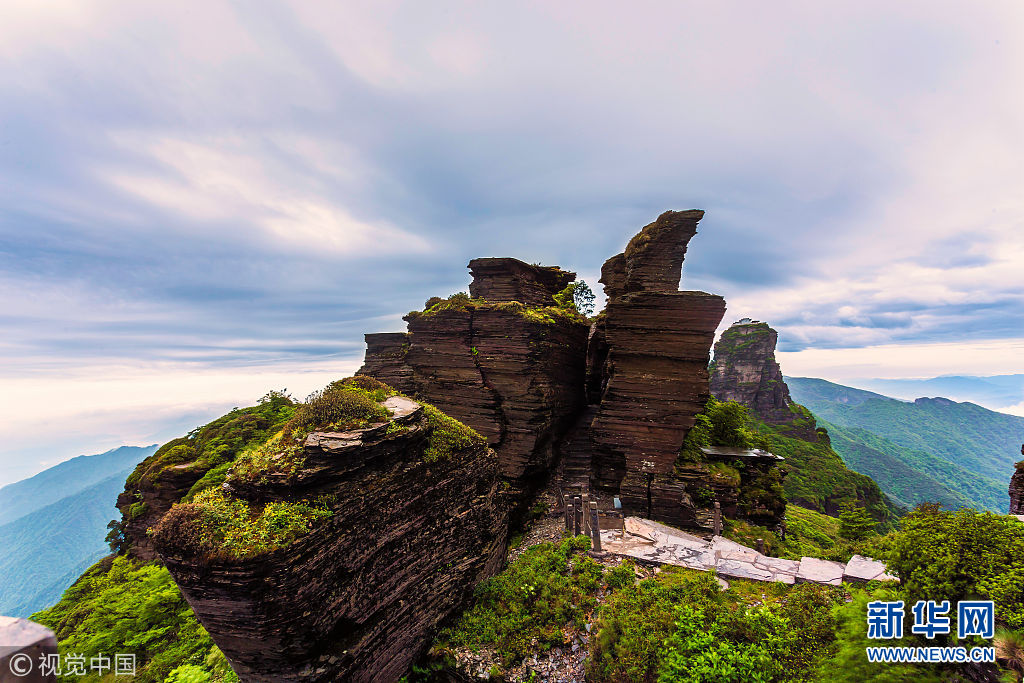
(1017, 488)
(327, 540)
(655, 376)
(613, 402)
(509, 279)
(745, 371)
(402, 519)
(513, 369)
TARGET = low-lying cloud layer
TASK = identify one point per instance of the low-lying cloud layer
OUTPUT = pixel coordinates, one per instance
(238, 187)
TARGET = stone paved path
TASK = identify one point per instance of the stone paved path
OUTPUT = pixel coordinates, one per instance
(653, 542)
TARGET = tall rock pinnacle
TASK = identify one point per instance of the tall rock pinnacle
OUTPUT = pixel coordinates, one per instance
(659, 342)
(1017, 488)
(745, 371)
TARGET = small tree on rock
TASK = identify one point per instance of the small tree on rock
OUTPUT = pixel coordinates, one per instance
(576, 297)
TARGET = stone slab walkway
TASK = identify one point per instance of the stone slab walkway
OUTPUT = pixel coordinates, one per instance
(650, 541)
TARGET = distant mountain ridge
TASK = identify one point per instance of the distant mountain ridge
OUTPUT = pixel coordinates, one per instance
(67, 478)
(54, 524)
(46, 550)
(997, 392)
(928, 450)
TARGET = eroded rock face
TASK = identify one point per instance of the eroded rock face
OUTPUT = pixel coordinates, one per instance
(1017, 488)
(614, 402)
(515, 377)
(360, 596)
(385, 359)
(655, 376)
(745, 371)
(153, 499)
(509, 279)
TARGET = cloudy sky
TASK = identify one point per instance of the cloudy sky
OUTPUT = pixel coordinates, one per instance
(201, 201)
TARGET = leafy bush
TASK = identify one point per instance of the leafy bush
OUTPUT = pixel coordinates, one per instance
(216, 525)
(351, 403)
(340, 406)
(722, 423)
(621, 576)
(954, 556)
(525, 608)
(121, 606)
(678, 626)
(628, 639)
(701, 649)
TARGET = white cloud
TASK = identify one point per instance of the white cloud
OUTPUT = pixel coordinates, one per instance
(69, 411)
(897, 361)
(231, 181)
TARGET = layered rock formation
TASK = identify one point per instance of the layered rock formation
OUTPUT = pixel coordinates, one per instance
(1017, 488)
(513, 371)
(408, 535)
(614, 402)
(655, 376)
(184, 464)
(142, 506)
(509, 279)
(745, 371)
(359, 597)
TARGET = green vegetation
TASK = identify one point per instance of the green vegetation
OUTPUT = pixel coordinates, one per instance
(216, 525)
(808, 533)
(679, 626)
(577, 297)
(850, 665)
(941, 555)
(817, 478)
(447, 435)
(722, 423)
(935, 450)
(212, 448)
(529, 607)
(120, 606)
(855, 524)
(545, 315)
(907, 476)
(351, 403)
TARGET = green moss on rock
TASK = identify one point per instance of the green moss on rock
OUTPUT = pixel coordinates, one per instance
(220, 526)
(216, 444)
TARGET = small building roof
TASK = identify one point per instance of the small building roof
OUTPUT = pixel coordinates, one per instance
(731, 452)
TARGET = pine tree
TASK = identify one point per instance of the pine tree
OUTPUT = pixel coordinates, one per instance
(855, 523)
